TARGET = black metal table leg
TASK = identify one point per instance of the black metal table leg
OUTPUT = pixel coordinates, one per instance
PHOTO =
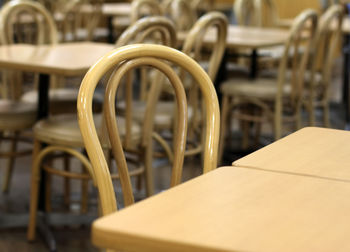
(110, 29)
(43, 112)
(346, 73)
(253, 64)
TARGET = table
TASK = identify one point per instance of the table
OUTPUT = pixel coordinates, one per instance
(70, 59)
(243, 37)
(234, 209)
(311, 151)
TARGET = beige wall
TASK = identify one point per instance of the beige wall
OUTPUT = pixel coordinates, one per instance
(291, 8)
(287, 8)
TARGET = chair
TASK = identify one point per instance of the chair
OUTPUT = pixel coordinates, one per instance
(181, 12)
(62, 132)
(258, 13)
(121, 61)
(16, 115)
(142, 8)
(272, 100)
(327, 44)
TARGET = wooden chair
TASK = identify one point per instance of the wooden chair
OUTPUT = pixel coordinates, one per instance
(142, 8)
(274, 101)
(121, 61)
(245, 12)
(16, 115)
(324, 51)
(61, 133)
(258, 13)
(181, 12)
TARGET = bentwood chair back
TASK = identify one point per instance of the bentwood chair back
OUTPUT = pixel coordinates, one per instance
(142, 8)
(245, 12)
(17, 21)
(121, 60)
(214, 23)
(150, 30)
(181, 12)
(324, 51)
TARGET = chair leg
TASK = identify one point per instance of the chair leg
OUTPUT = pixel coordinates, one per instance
(48, 190)
(84, 194)
(66, 193)
(148, 158)
(326, 121)
(223, 127)
(34, 193)
(10, 164)
(245, 132)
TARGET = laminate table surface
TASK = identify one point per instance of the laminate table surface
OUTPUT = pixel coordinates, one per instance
(234, 209)
(310, 151)
(247, 37)
(112, 9)
(68, 59)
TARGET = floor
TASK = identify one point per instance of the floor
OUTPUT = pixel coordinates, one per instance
(77, 237)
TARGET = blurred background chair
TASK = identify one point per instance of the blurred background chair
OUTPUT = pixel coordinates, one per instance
(24, 22)
(271, 100)
(323, 53)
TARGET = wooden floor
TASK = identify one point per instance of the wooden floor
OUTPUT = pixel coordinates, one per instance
(77, 238)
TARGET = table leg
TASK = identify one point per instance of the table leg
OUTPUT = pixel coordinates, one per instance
(253, 64)
(346, 73)
(43, 112)
(110, 30)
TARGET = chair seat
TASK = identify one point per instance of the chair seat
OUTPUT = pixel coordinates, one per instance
(62, 100)
(259, 88)
(17, 115)
(164, 115)
(64, 130)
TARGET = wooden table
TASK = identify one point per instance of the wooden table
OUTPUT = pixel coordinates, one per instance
(69, 59)
(243, 37)
(235, 209)
(311, 151)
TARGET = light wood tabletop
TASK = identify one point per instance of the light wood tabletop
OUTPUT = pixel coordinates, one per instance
(116, 9)
(234, 209)
(310, 151)
(112, 9)
(248, 37)
(67, 59)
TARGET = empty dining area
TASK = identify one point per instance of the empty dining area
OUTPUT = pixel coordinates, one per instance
(174, 125)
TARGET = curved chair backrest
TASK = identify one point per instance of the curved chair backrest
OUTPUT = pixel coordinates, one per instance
(181, 12)
(150, 30)
(266, 13)
(121, 60)
(22, 14)
(327, 43)
(245, 12)
(142, 8)
(193, 44)
(295, 57)
(259, 13)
